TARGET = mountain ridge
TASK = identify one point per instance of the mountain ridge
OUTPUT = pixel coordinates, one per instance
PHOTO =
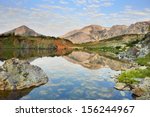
(95, 32)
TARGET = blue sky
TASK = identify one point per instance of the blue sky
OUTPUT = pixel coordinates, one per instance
(56, 17)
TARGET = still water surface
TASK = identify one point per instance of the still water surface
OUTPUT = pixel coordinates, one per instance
(73, 76)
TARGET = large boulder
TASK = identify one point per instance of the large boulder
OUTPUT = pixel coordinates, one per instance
(18, 74)
(142, 90)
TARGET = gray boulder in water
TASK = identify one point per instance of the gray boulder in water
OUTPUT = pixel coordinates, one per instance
(18, 74)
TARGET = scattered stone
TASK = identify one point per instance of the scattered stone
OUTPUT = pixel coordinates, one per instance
(127, 88)
(18, 74)
(138, 91)
(134, 85)
(145, 86)
(142, 90)
(123, 93)
(120, 86)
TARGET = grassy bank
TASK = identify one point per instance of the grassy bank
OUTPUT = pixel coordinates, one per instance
(113, 45)
(131, 75)
(144, 61)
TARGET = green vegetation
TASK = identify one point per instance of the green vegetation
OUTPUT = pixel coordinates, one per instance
(113, 45)
(130, 76)
(132, 43)
(40, 42)
(144, 61)
(115, 50)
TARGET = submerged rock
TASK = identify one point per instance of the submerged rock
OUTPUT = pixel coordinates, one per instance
(120, 86)
(18, 74)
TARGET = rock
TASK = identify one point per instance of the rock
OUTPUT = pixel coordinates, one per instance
(145, 97)
(18, 74)
(133, 86)
(127, 88)
(145, 84)
(120, 86)
(141, 49)
(122, 93)
(143, 52)
(142, 90)
(138, 91)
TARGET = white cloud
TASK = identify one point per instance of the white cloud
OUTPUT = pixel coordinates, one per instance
(58, 19)
(107, 4)
(51, 7)
(128, 16)
(64, 2)
(80, 2)
(131, 11)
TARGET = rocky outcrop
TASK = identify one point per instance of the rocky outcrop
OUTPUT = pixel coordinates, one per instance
(114, 31)
(22, 31)
(18, 74)
(142, 90)
(139, 28)
(140, 49)
(96, 33)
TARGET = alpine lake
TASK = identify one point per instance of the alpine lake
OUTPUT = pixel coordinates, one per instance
(74, 75)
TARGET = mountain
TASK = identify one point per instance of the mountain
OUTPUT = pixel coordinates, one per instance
(95, 33)
(139, 28)
(22, 31)
(86, 34)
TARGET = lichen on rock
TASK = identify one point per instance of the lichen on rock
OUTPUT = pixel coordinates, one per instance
(18, 74)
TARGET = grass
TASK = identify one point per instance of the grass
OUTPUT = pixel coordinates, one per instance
(130, 76)
(114, 50)
(113, 45)
(144, 61)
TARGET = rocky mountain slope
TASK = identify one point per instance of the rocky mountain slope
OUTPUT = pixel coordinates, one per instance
(22, 31)
(96, 33)
(86, 34)
(139, 49)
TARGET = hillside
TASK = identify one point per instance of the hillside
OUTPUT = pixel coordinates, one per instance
(86, 34)
(122, 40)
(22, 31)
(95, 33)
(40, 42)
(25, 38)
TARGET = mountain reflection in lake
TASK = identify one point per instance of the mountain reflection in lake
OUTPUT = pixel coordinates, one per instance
(78, 75)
